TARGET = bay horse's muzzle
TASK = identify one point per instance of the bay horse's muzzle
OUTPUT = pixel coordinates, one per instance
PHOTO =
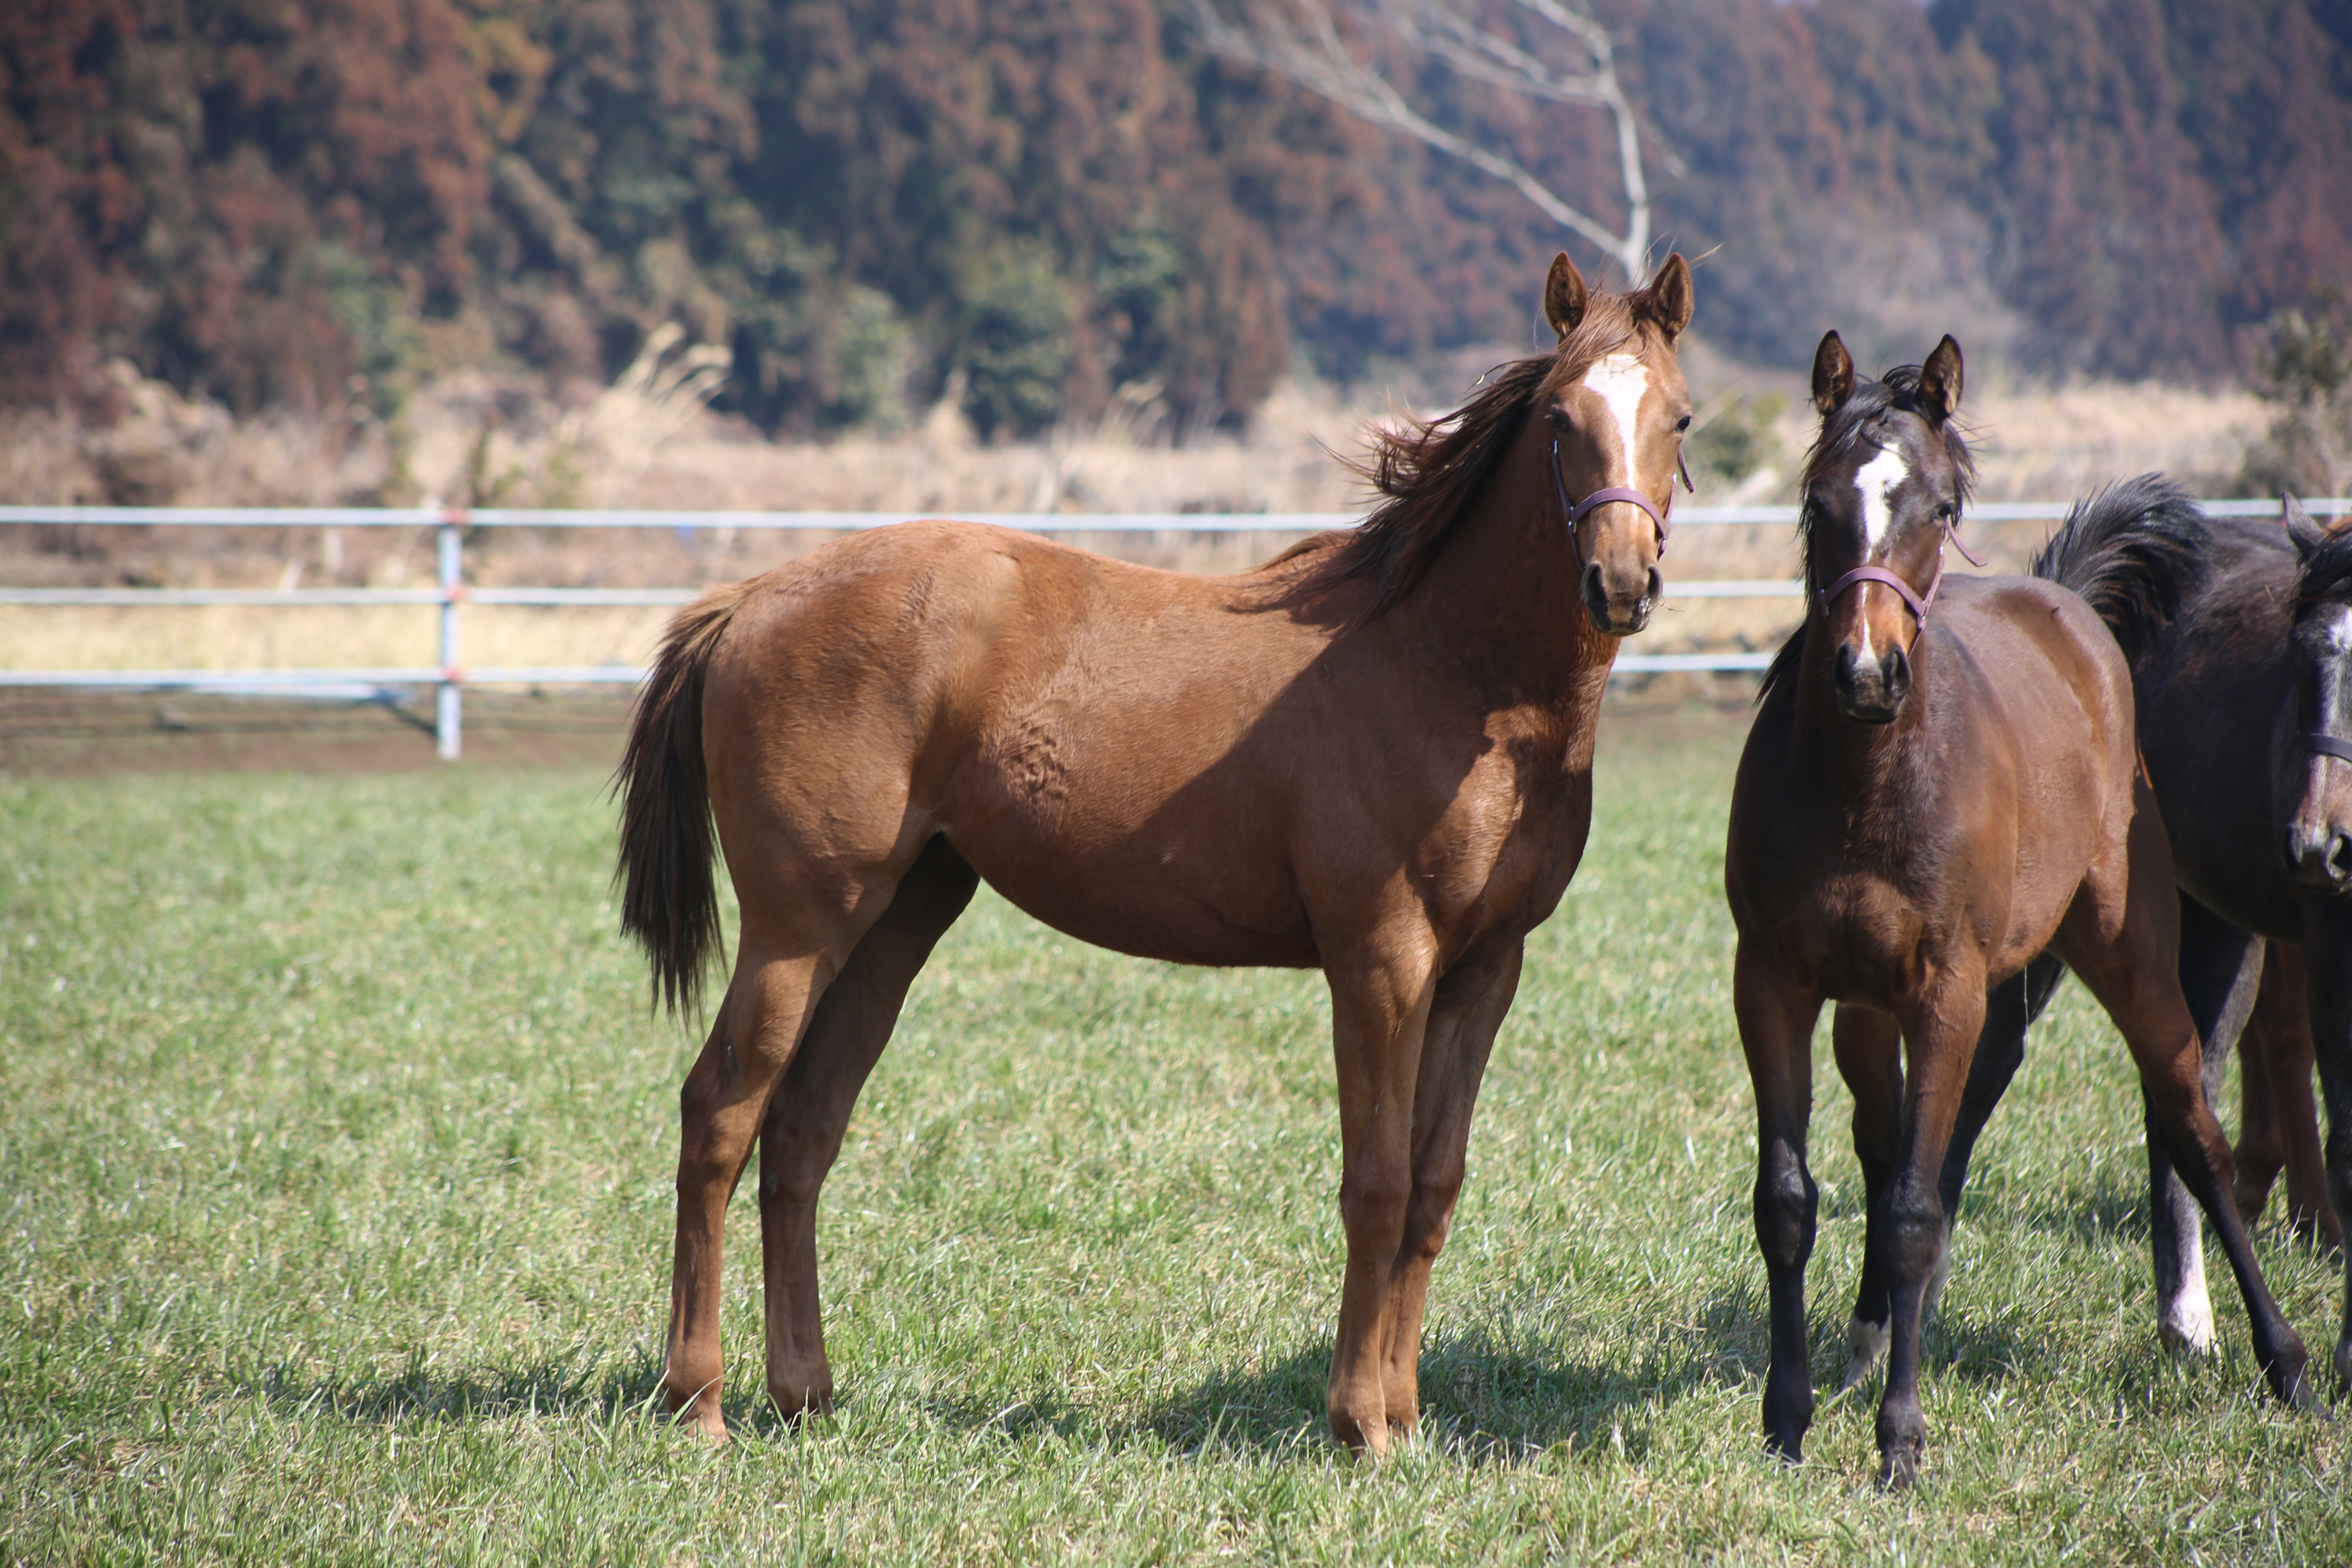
(1872, 690)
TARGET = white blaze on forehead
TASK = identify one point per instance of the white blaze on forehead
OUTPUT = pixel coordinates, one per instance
(1620, 380)
(1875, 481)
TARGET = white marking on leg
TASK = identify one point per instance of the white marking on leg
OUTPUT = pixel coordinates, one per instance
(1620, 380)
(2185, 1323)
(1876, 482)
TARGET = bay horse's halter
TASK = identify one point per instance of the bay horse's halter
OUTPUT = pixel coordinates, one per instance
(1911, 596)
(2317, 742)
(1574, 511)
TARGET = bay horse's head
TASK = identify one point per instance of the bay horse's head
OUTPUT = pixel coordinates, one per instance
(1618, 407)
(2318, 785)
(1883, 491)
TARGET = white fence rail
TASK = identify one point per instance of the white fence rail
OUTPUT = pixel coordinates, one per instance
(450, 676)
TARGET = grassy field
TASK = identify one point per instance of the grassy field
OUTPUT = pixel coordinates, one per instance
(335, 1152)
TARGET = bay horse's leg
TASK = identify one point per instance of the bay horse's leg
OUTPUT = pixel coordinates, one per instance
(1379, 1009)
(2279, 1124)
(1909, 1223)
(2327, 986)
(1464, 1013)
(2011, 1008)
(2220, 967)
(725, 1097)
(2120, 939)
(808, 1112)
(1869, 1049)
(1775, 1032)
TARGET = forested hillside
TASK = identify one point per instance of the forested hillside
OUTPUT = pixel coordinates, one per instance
(1051, 206)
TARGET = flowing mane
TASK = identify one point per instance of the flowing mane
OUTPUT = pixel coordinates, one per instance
(1430, 470)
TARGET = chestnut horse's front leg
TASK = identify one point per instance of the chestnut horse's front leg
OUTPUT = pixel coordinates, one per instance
(1380, 1013)
(1468, 1009)
(1776, 1031)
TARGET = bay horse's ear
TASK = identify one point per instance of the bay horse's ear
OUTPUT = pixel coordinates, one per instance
(1666, 302)
(1939, 380)
(1832, 374)
(1564, 295)
(2306, 535)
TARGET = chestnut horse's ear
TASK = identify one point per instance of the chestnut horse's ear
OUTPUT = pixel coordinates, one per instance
(1939, 380)
(1666, 302)
(1564, 295)
(2306, 535)
(1832, 374)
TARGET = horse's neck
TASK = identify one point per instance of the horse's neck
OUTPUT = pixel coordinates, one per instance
(1502, 601)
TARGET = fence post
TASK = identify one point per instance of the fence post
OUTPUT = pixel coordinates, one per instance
(449, 728)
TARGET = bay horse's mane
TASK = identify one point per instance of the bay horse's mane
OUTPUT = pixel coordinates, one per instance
(1429, 470)
(2326, 573)
(1862, 414)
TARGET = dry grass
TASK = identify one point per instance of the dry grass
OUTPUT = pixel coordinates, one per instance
(643, 443)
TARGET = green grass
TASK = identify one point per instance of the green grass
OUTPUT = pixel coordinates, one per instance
(335, 1154)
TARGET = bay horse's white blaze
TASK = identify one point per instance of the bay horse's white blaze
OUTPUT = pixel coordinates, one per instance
(1620, 380)
(1876, 482)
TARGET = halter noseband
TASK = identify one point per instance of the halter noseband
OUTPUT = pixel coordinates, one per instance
(1574, 511)
(2325, 745)
(1919, 606)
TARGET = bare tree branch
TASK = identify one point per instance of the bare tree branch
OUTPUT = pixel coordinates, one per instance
(1299, 40)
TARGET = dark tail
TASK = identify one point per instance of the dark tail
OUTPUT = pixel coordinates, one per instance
(668, 900)
(2135, 549)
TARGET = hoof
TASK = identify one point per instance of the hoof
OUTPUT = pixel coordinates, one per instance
(1788, 1451)
(1867, 1341)
(1368, 1441)
(2290, 1375)
(798, 1401)
(1899, 1467)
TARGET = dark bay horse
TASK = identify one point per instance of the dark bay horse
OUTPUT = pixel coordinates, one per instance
(1941, 787)
(2244, 700)
(1373, 755)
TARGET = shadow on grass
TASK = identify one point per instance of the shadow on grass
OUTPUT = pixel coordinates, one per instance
(580, 1382)
(1485, 1398)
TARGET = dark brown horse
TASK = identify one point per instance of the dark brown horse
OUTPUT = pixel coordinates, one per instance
(2244, 701)
(2278, 1125)
(1942, 785)
(1373, 755)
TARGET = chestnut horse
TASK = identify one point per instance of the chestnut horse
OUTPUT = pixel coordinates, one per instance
(1373, 755)
(1942, 783)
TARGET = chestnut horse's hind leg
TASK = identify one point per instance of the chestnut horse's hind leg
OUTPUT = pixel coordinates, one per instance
(1468, 1010)
(1776, 1031)
(759, 1022)
(1869, 1050)
(2220, 968)
(809, 1110)
(2120, 940)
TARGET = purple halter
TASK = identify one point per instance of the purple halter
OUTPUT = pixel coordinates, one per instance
(2324, 745)
(1919, 606)
(1574, 511)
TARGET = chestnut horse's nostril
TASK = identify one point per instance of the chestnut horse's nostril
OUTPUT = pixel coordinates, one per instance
(1897, 668)
(1596, 598)
(1657, 589)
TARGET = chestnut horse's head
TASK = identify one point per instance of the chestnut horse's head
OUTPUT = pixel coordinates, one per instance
(2318, 783)
(1883, 491)
(1618, 409)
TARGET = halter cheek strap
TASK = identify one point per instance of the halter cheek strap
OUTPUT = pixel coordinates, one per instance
(1574, 511)
(2320, 745)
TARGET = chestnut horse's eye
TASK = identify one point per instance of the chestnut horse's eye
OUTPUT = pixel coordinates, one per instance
(1683, 422)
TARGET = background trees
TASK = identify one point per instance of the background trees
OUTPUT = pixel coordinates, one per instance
(1049, 206)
